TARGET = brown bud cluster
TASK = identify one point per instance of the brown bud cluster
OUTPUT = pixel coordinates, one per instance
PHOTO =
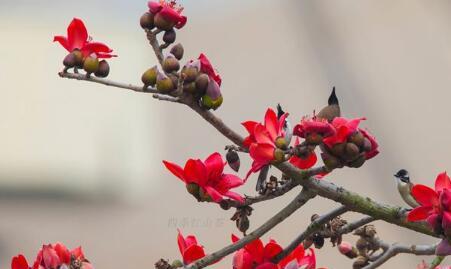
(241, 218)
(90, 64)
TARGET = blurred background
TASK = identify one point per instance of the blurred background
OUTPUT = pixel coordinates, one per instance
(80, 163)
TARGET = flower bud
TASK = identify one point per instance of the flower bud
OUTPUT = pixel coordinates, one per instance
(104, 69)
(435, 222)
(150, 76)
(348, 250)
(212, 98)
(209, 103)
(146, 21)
(314, 138)
(367, 145)
(233, 159)
(177, 264)
(190, 72)
(279, 155)
(338, 149)
(164, 83)
(69, 61)
(330, 161)
(79, 60)
(318, 241)
(202, 82)
(161, 23)
(351, 151)
(178, 51)
(360, 262)
(170, 64)
(224, 204)
(446, 224)
(204, 196)
(357, 138)
(190, 87)
(91, 64)
(281, 142)
(443, 248)
(169, 36)
(357, 163)
(243, 224)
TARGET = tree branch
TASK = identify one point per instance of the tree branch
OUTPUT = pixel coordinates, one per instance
(395, 249)
(312, 228)
(153, 41)
(303, 197)
(354, 225)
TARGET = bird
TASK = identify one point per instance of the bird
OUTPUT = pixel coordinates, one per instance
(405, 187)
(332, 110)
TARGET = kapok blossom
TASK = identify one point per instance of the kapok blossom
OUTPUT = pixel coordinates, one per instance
(207, 68)
(303, 163)
(189, 248)
(168, 11)
(78, 39)
(206, 180)
(313, 126)
(256, 255)
(52, 257)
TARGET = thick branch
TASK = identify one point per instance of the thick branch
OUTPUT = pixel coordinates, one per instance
(312, 228)
(354, 225)
(396, 249)
(302, 198)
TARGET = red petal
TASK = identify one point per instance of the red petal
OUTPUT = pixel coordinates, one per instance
(179, 25)
(256, 166)
(445, 199)
(214, 165)
(175, 170)
(170, 14)
(242, 260)
(234, 196)
(95, 47)
(271, 124)
(304, 163)
(78, 253)
(262, 153)
(77, 35)
(309, 260)
(195, 172)
(229, 181)
(181, 242)
(419, 213)
(425, 195)
(51, 259)
(235, 238)
(282, 124)
(154, 7)
(267, 265)
(63, 41)
(63, 253)
(256, 249)
(19, 262)
(250, 126)
(214, 194)
(272, 249)
(193, 253)
(297, 254)
(442, 182)
(262, 135)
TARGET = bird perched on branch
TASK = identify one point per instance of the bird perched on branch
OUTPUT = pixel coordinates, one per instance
(405, 187)
(332, 110)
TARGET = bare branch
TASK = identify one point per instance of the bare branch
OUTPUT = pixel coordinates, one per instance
(303, 197)
(354, 225)
(312, 228)
(396, 249)
(167, 98)
(153, 41)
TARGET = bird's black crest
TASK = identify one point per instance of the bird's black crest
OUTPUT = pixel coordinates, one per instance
(333, 99)
(280, 111)
(403, 175)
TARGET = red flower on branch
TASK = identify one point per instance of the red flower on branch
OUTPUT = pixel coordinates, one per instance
(313, 126)
(256, 255)
(189, 248)
(168, 11)
(51, 257)
(207, 68)
(206, 180)
(78, 39)
(343, 129)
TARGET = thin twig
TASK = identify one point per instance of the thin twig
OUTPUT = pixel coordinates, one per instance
(153, 41)
(167, 98)
(303, 197)
(354, 225)
(396, 249)
(312, 228)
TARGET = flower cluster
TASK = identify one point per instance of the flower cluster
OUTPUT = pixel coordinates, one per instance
(189, 248)
(83, 53)
(165, 15)
(256, 255)
(206, 180)
(435, 208)
(55, 256)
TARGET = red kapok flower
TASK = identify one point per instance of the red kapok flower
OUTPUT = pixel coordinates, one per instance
(303, 163)
(207, 68)
(51, 257)
(429, 199)
(189, 248)
(206, 179)
(313, 126)
(343, 129)
(169, 11)
(77, 38)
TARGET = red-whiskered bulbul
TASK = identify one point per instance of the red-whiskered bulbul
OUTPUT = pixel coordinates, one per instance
(405, 187)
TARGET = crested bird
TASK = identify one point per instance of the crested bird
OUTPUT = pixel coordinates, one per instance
(405, 187)
(332, 110)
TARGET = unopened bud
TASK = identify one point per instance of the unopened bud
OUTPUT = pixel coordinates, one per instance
(233, 159)
(279, 155)
(104, 69)
(91, 64)
(178, 51)
(351, 151)
(190, 71)
(209, 103)
(330, 161)
(360, 262)
(338, 149)
(204, 196)
(367, 145)
(314, 138)
(79, 59)
(150, 76)
(164, 83)
(281, 142)
(190, 87)
(348, 250)
(170, 64)
(161, 23)
(169, 36)
(69, 61)
(318, 241)
(357, 163)
(224, 204)
(177, 264)
(202, 82)
(357, 138)
(146, 21)
(193, 189)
